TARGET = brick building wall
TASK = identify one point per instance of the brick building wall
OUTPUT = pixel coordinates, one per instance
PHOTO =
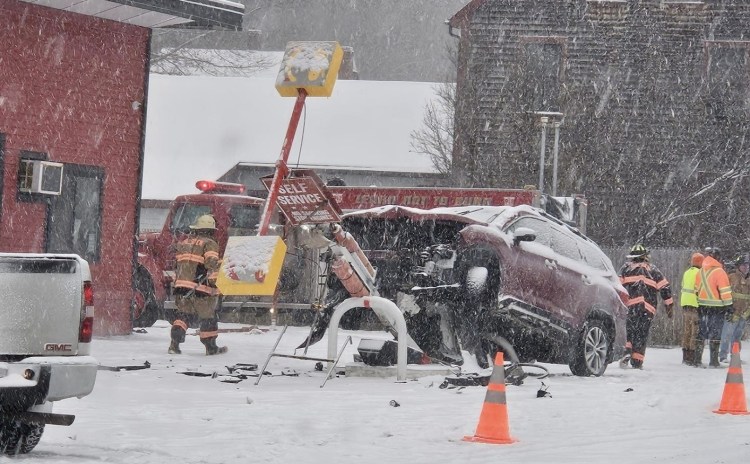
(72, 90)
(655, 100)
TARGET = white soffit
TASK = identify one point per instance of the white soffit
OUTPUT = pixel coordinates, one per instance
(136, 13)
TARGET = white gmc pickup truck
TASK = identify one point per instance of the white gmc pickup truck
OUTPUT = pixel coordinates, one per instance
(46, 325)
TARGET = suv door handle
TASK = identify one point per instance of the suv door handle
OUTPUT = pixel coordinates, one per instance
(586, 279)
(551, 265)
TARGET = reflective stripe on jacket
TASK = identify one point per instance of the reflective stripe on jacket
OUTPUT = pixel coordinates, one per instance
(197, 265)
(644, 282)
(687, 296)
(712, 285)
(740, 291)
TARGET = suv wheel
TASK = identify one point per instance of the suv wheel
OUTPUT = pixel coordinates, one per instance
(590, 352)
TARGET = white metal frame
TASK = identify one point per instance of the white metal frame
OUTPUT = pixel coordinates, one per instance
(386, 310)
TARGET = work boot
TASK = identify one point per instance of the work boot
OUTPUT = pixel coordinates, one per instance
(688, 357)
(177, 334)
(174, 348)
(713, 347)
(698, 360)
(216, 350)
(625, 361)
(212, 348)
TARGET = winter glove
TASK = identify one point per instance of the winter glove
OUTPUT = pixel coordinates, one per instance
(670, 310)
(746, 314)
(728, 313)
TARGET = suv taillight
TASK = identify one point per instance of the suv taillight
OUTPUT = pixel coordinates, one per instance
(87, 314)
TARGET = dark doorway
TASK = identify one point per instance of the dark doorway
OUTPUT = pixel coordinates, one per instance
(75, 216)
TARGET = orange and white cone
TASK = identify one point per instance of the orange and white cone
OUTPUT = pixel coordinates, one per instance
(733, 400)
(493, 421)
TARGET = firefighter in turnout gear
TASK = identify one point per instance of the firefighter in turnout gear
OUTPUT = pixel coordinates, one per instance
(643, 281)
(689, 304)
(714, 302)
(195, 286)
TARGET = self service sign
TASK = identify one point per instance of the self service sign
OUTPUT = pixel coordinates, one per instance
(302, 201)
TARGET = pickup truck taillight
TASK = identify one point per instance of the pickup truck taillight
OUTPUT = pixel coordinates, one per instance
(87, 314)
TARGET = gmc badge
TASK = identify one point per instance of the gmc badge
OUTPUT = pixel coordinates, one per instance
(57, 347)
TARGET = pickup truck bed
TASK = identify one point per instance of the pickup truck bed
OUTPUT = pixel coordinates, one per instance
(45, 343)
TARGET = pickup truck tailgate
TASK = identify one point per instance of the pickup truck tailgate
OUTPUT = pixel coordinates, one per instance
(41, 301)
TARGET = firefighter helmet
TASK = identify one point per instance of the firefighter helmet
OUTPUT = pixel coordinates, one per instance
(696, 260)
(638, 251)
(204, 222)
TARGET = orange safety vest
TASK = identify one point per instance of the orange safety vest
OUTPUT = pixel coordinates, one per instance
(712, 285)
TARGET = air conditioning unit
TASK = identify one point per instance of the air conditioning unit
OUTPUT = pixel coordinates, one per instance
(37, 176)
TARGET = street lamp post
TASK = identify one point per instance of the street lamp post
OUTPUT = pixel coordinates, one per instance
(544, 120)
(556, 125)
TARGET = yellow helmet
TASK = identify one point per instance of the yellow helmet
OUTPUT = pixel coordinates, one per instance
(204, 222)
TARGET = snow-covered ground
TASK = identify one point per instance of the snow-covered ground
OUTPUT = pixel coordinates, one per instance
(662, 414)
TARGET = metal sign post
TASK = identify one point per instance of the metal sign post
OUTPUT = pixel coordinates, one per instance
(281, 167)
(308, 68)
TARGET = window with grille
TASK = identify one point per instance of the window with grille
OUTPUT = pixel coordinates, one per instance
(543, 61)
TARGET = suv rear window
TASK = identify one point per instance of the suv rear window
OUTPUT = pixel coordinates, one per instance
(593, 256)
(566, 246)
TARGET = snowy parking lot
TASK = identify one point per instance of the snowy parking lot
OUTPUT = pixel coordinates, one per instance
(662, 413)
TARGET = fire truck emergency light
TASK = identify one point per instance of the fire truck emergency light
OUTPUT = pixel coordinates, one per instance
(209, 186)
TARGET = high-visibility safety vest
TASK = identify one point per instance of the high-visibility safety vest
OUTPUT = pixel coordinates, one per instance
(712, 285)
(688, 298)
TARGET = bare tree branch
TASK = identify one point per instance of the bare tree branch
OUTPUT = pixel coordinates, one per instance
(185, 61)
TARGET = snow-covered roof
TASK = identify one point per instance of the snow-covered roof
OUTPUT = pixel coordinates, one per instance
(200, 127)
(468, 214)
(154, 13)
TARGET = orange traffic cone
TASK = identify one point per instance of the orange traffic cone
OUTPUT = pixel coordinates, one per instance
(733, 400)
(493, 421)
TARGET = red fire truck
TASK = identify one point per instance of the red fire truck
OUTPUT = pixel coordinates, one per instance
(300, 283)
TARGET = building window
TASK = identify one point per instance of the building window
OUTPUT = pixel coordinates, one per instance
(726, 78)
(75, 216)
(543, 61)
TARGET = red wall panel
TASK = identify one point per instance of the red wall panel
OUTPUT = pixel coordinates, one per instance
(68, 83)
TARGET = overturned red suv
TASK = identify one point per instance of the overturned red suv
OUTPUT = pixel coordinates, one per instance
(477, 277)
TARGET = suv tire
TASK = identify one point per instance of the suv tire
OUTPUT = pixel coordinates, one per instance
(590, 353)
